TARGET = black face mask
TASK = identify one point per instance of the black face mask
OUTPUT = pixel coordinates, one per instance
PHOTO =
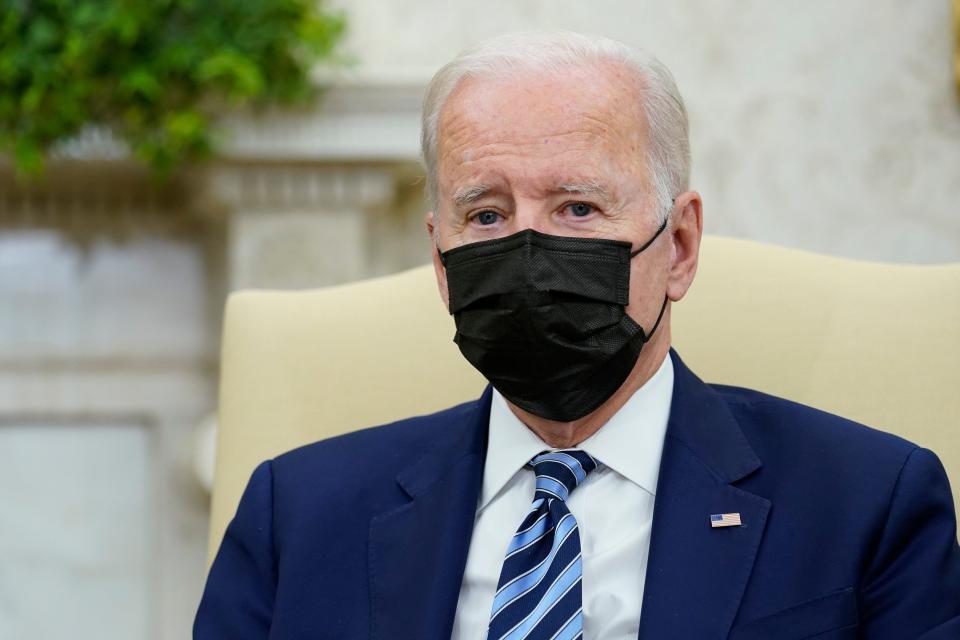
(542, 318)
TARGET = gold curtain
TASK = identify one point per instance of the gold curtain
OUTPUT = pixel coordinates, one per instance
(956, 42)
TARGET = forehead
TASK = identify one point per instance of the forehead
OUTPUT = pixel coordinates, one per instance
(576, 121)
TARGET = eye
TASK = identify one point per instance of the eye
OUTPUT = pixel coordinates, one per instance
(580, 209)
(487, 217)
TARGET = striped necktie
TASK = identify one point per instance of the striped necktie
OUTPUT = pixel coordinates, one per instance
(539, 594)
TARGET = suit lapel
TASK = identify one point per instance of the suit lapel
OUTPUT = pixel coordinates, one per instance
(418, 550)
(696, 575)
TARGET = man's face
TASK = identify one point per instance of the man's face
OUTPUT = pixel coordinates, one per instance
(564, 155)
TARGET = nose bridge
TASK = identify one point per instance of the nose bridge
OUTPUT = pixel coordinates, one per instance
(529, 215)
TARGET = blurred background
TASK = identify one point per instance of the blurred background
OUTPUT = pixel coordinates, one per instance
(155, 158)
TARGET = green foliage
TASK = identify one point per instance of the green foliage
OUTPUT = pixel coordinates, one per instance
(156, 72)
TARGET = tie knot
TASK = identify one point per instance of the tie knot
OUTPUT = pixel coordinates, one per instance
(560, 472)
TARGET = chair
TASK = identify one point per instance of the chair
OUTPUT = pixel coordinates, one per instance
(878, 343)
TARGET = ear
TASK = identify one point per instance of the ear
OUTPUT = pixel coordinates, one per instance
(686, 231)
(438, 268)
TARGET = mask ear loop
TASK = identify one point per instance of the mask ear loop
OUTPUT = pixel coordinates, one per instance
(649, 242)
(663, 308)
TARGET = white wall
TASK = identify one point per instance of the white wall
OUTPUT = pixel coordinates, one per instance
(829, 126)
(107, 359)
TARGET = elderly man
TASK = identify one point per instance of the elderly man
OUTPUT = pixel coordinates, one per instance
(598, 489)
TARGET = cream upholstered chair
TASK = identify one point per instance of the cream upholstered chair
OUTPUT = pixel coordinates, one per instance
(878, 343)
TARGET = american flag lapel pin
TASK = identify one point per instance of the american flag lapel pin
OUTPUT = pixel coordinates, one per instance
(725, 520)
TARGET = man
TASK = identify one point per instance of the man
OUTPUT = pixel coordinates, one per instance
(598, 489)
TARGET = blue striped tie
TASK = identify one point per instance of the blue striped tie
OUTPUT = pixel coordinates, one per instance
(539, 594)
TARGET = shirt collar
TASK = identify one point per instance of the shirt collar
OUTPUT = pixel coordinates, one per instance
(630, 443)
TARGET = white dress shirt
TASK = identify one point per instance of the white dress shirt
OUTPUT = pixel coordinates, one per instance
(613, 508)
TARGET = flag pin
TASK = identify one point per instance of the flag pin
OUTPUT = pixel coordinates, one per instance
(725, 520)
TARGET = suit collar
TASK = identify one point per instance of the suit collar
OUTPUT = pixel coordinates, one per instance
(696, 574)
(465, 435)
(418, 549)
(701, 420)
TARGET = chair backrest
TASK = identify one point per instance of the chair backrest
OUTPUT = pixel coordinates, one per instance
(878, 343)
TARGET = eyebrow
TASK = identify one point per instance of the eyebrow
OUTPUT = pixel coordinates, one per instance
(468, 195)
(591, 188)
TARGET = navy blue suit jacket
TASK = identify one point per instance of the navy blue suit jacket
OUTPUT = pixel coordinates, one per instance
(847, 532)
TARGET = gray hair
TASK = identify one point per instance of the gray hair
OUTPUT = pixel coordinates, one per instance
(668, 151)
